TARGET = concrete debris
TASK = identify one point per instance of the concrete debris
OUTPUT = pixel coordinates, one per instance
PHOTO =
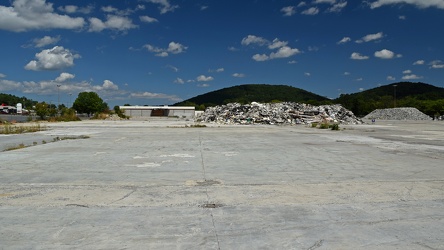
(285, 113)
(398, 114)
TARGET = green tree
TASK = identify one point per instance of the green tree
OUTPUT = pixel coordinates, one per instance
(42, 109)
(90, 103)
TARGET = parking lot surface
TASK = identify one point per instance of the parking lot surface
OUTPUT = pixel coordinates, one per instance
(161, 184)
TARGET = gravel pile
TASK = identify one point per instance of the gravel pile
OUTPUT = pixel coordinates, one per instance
(398, 114)
(277, 113)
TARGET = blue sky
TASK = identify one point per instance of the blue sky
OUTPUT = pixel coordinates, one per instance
(150, 52)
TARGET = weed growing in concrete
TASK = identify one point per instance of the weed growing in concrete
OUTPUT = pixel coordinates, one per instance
(15, 129)
(20, 146)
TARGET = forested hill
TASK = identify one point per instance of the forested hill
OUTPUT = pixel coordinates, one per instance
(254, 93)
(12, 100)
(425, 97)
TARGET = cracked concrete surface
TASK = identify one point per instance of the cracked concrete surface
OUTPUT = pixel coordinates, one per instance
(156, 185)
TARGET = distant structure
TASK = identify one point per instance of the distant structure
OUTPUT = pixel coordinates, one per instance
(158, 111)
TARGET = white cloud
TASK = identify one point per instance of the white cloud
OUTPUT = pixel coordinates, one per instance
(179, 81)
(418, 3)
(307, 74)
(411, 77)
(240, 75)
(173, 48)
(251, 39)
(402, 17)
(149, 95)
(292, 62)
(357, 56)
(175, 69)
(64, 77)
(347, 73)
(277, 44)
(176, 48)
(337, 7)
(46, 40)
(260, 57)
(148, 19)
(391, 78)
(302, 4)
(165, 6)
(25, 15)
(71, 9)
(370, 37)
(204, 85)
(386, 54)
(52, 59)
(419, 62)
(344, 40)
(219, 70)
(203, 78)
(2, 75)
(324, 1)
(288, 11)
(437, 64)
(284, 52)
(7, 85)
(311, 11)
(107, 86)
(407, 71)
(113, 22)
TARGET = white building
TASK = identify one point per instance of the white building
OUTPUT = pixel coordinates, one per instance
(158, 111)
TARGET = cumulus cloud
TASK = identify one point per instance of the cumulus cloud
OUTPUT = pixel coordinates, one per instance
(411, 77)
(173, 48)
(357, 56)
(64, 77)
(344, 40)
(148, 19)
(386, 54)
(165, 5)
(203, 78)
(277, 44)
(71, 9)
(52, 59)
(251, 39)
(49, 87)
(418, 3)
(391, 78)
(260, 57)
(370, 37)
(46, 40)
(283, 51)
(25, 15)
(407, 71)
(288, 11)
(179, 80)
(113, 22)
(437, 64)
(419, 62)
(107, 86)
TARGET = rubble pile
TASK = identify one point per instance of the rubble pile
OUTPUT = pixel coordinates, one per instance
(277, 113)
(398, 114)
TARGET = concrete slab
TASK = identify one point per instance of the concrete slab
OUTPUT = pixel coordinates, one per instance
(157, 184)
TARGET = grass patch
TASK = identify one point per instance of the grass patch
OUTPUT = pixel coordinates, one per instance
(20, 129)
(20, 146)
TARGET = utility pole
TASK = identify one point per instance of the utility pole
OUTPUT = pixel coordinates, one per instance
(394, 96)
(58, 97)
(69, 104)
